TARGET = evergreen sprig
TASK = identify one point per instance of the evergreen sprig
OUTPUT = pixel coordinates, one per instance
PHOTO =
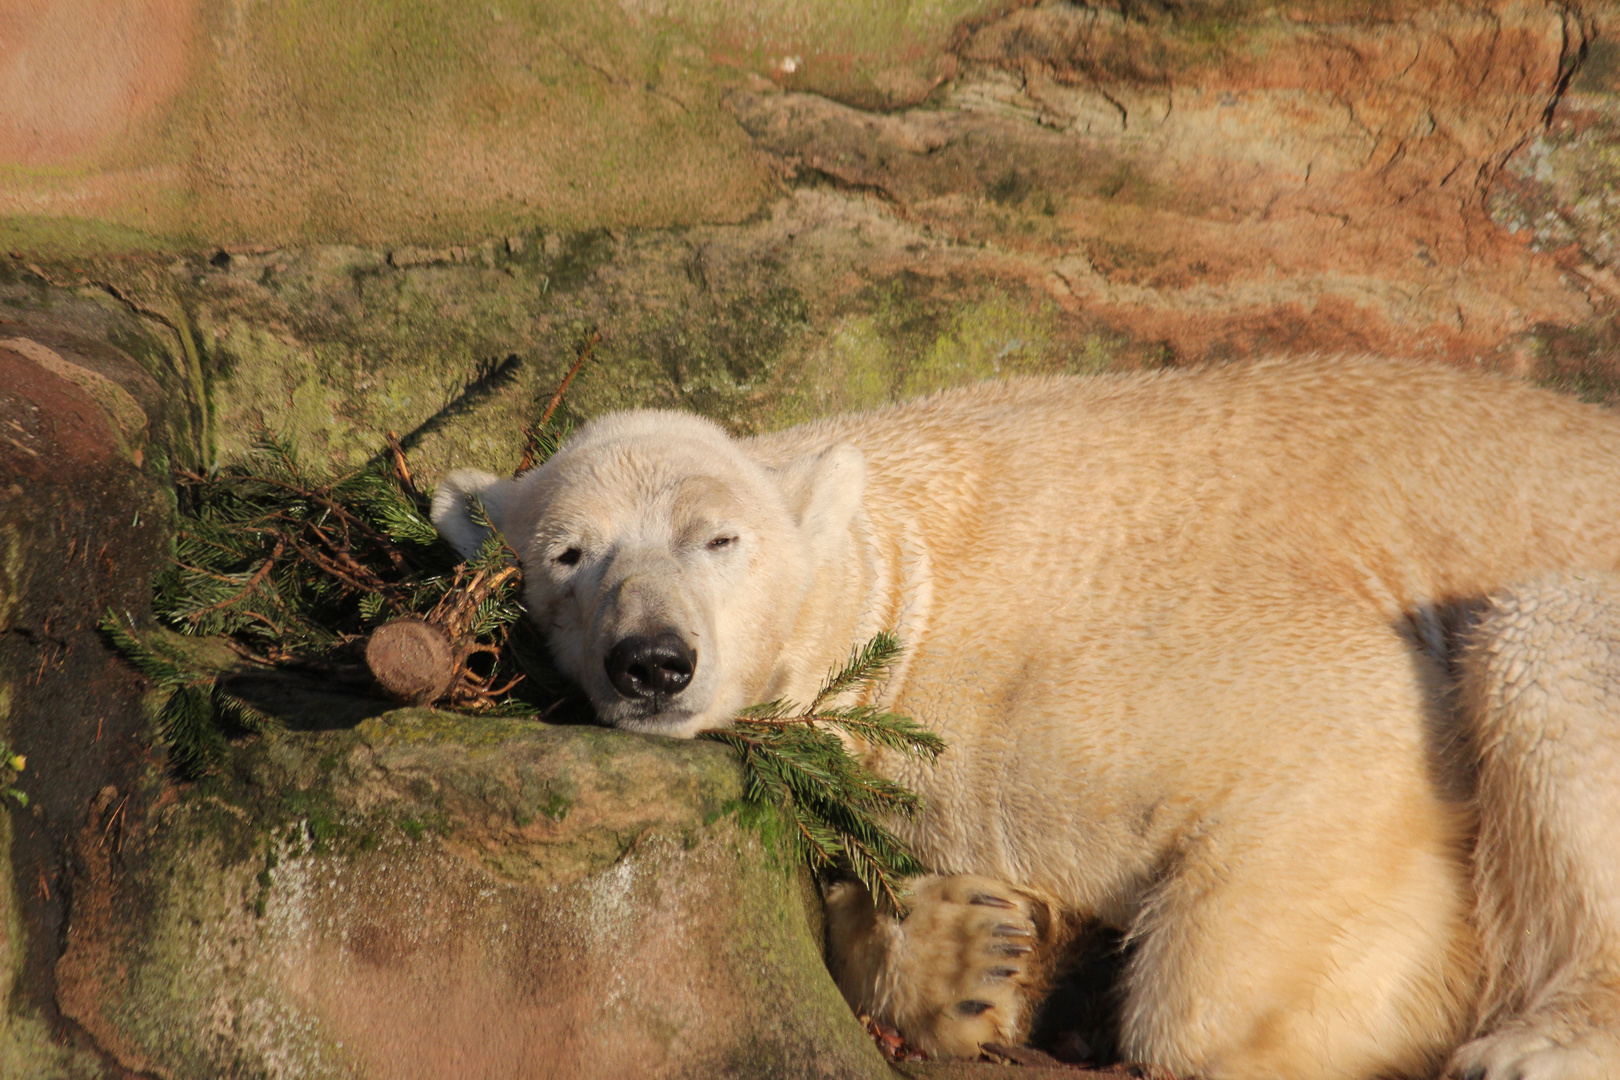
(272, 552)
(299, 565)
(295, 566)
(195, 709)
(832, 804)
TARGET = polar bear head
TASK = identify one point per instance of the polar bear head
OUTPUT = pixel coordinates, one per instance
(665, 565)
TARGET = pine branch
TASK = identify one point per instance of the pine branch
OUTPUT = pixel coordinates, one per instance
(886, 729)
(831, 803)
(240, 712)
(189, 720)
(298, 568)
(163, 672)
(867, 664)
(268, 549)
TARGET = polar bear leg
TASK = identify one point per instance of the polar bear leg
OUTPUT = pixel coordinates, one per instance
(1308, 951)
(1541, 685)
(964, 967)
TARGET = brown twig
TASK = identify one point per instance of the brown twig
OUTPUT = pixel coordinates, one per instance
(344, 576)
(461, 599)
(402, 469)
(344, 556)
(477, 692)
(253, 582)
(531, 438)
(247, 654)
(204, 573)
(222, 577)
(215, 544)
(326, 502)
(274, 626)
(585, 349)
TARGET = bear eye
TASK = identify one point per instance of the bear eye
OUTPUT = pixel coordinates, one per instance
(721, 541)
(569, 557)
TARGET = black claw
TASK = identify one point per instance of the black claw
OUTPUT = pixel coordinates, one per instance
(1000, 973)
(986, 900)
(1011, 948)
(1474, 1072)
(1009, 930)
(973, 1008)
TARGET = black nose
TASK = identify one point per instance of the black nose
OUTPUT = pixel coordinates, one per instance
(650, 665)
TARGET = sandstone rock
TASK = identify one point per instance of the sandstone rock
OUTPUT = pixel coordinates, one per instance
(1205, 178)
(417, 894)
(83, 526)
(1140, 184)
(429, 895)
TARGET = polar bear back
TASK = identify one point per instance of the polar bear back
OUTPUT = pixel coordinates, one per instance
(1396, 481)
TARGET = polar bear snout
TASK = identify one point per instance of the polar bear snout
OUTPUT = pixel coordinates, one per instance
(650, 666)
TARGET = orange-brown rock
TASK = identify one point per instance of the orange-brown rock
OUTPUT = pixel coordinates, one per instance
(1302, 178)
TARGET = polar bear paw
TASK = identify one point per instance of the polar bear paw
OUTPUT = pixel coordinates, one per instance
(964, 967)
(1530, 1053)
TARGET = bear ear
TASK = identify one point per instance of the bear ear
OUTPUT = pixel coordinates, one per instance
(824, 491)
(452, 507)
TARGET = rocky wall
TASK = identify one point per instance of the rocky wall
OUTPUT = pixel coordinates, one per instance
(339, 219)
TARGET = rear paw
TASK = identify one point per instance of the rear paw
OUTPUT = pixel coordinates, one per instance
(1530, 1053)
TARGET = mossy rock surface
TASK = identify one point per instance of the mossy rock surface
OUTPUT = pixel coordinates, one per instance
(432, 895)
(457, 350)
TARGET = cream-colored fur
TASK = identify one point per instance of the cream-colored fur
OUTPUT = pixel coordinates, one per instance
(1305, 674)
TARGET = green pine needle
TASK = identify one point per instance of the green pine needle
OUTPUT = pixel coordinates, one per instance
(832, 804)
(867, 665)
(496, 612)
(165, 673)
(196, 710)
(186, 723)
(373, 608)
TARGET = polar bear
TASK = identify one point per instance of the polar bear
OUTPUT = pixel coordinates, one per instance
(1305, 675)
